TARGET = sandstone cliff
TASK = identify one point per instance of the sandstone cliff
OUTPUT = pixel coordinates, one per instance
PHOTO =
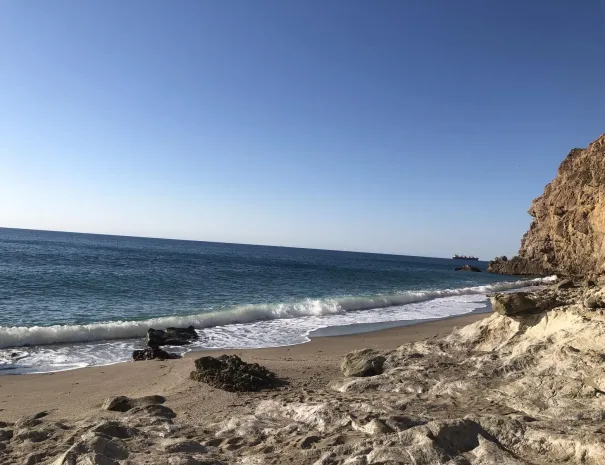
(566, 235)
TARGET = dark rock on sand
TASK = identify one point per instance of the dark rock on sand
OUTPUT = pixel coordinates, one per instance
(171, 337)
(124, 404)
(153, 353)
(364, 362)
(230, 373)
(468, 268)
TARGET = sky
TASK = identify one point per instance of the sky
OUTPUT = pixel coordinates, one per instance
(418, 127)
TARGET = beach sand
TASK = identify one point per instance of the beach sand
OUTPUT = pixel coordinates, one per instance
(77, 394)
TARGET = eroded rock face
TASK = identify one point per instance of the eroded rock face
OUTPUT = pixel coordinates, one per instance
(230, 373)
(513, 304)
(568, 230)
(364, 362)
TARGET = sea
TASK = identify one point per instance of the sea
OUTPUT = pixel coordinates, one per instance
(70, 300)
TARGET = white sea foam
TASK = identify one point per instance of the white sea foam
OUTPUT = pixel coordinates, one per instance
(347, 309)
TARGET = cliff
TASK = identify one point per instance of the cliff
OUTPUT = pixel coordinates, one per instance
(566, 234)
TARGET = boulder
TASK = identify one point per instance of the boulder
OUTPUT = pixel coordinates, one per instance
(364, 362)
(153, 353)
(230, 373)
(171, 337)
(124, 404)
(595, 298)
(468, 268)
(513, 303)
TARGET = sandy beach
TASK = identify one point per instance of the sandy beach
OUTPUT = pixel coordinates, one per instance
(76, 394)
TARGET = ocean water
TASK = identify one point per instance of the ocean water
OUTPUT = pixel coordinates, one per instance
(72, 300)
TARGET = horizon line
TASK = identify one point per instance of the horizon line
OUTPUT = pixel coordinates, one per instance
(218, 242)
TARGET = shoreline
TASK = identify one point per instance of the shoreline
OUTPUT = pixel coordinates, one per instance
(74, 394)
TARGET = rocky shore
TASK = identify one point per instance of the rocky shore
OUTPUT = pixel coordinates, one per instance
(526, 385)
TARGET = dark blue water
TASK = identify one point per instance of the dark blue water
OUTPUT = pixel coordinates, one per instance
(74, 290)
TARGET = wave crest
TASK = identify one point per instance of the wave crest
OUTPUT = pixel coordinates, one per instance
(19, 336)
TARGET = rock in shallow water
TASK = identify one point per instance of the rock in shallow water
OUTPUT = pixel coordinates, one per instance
(468, 268)
(171, 337)
(153, 353)
(230, 373)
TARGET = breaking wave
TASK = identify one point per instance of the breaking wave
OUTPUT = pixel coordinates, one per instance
(19, 336)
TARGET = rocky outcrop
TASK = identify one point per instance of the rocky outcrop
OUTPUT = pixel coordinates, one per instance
(364, 362)
(523, 386)
(516, 265)
(514, 303)
(566, 236)
(230, 373)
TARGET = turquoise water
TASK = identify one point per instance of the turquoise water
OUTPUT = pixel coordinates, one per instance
(70, 300)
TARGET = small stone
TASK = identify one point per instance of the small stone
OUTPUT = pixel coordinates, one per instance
(124, 404)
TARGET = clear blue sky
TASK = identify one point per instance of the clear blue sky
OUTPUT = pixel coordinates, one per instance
(408, 126)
